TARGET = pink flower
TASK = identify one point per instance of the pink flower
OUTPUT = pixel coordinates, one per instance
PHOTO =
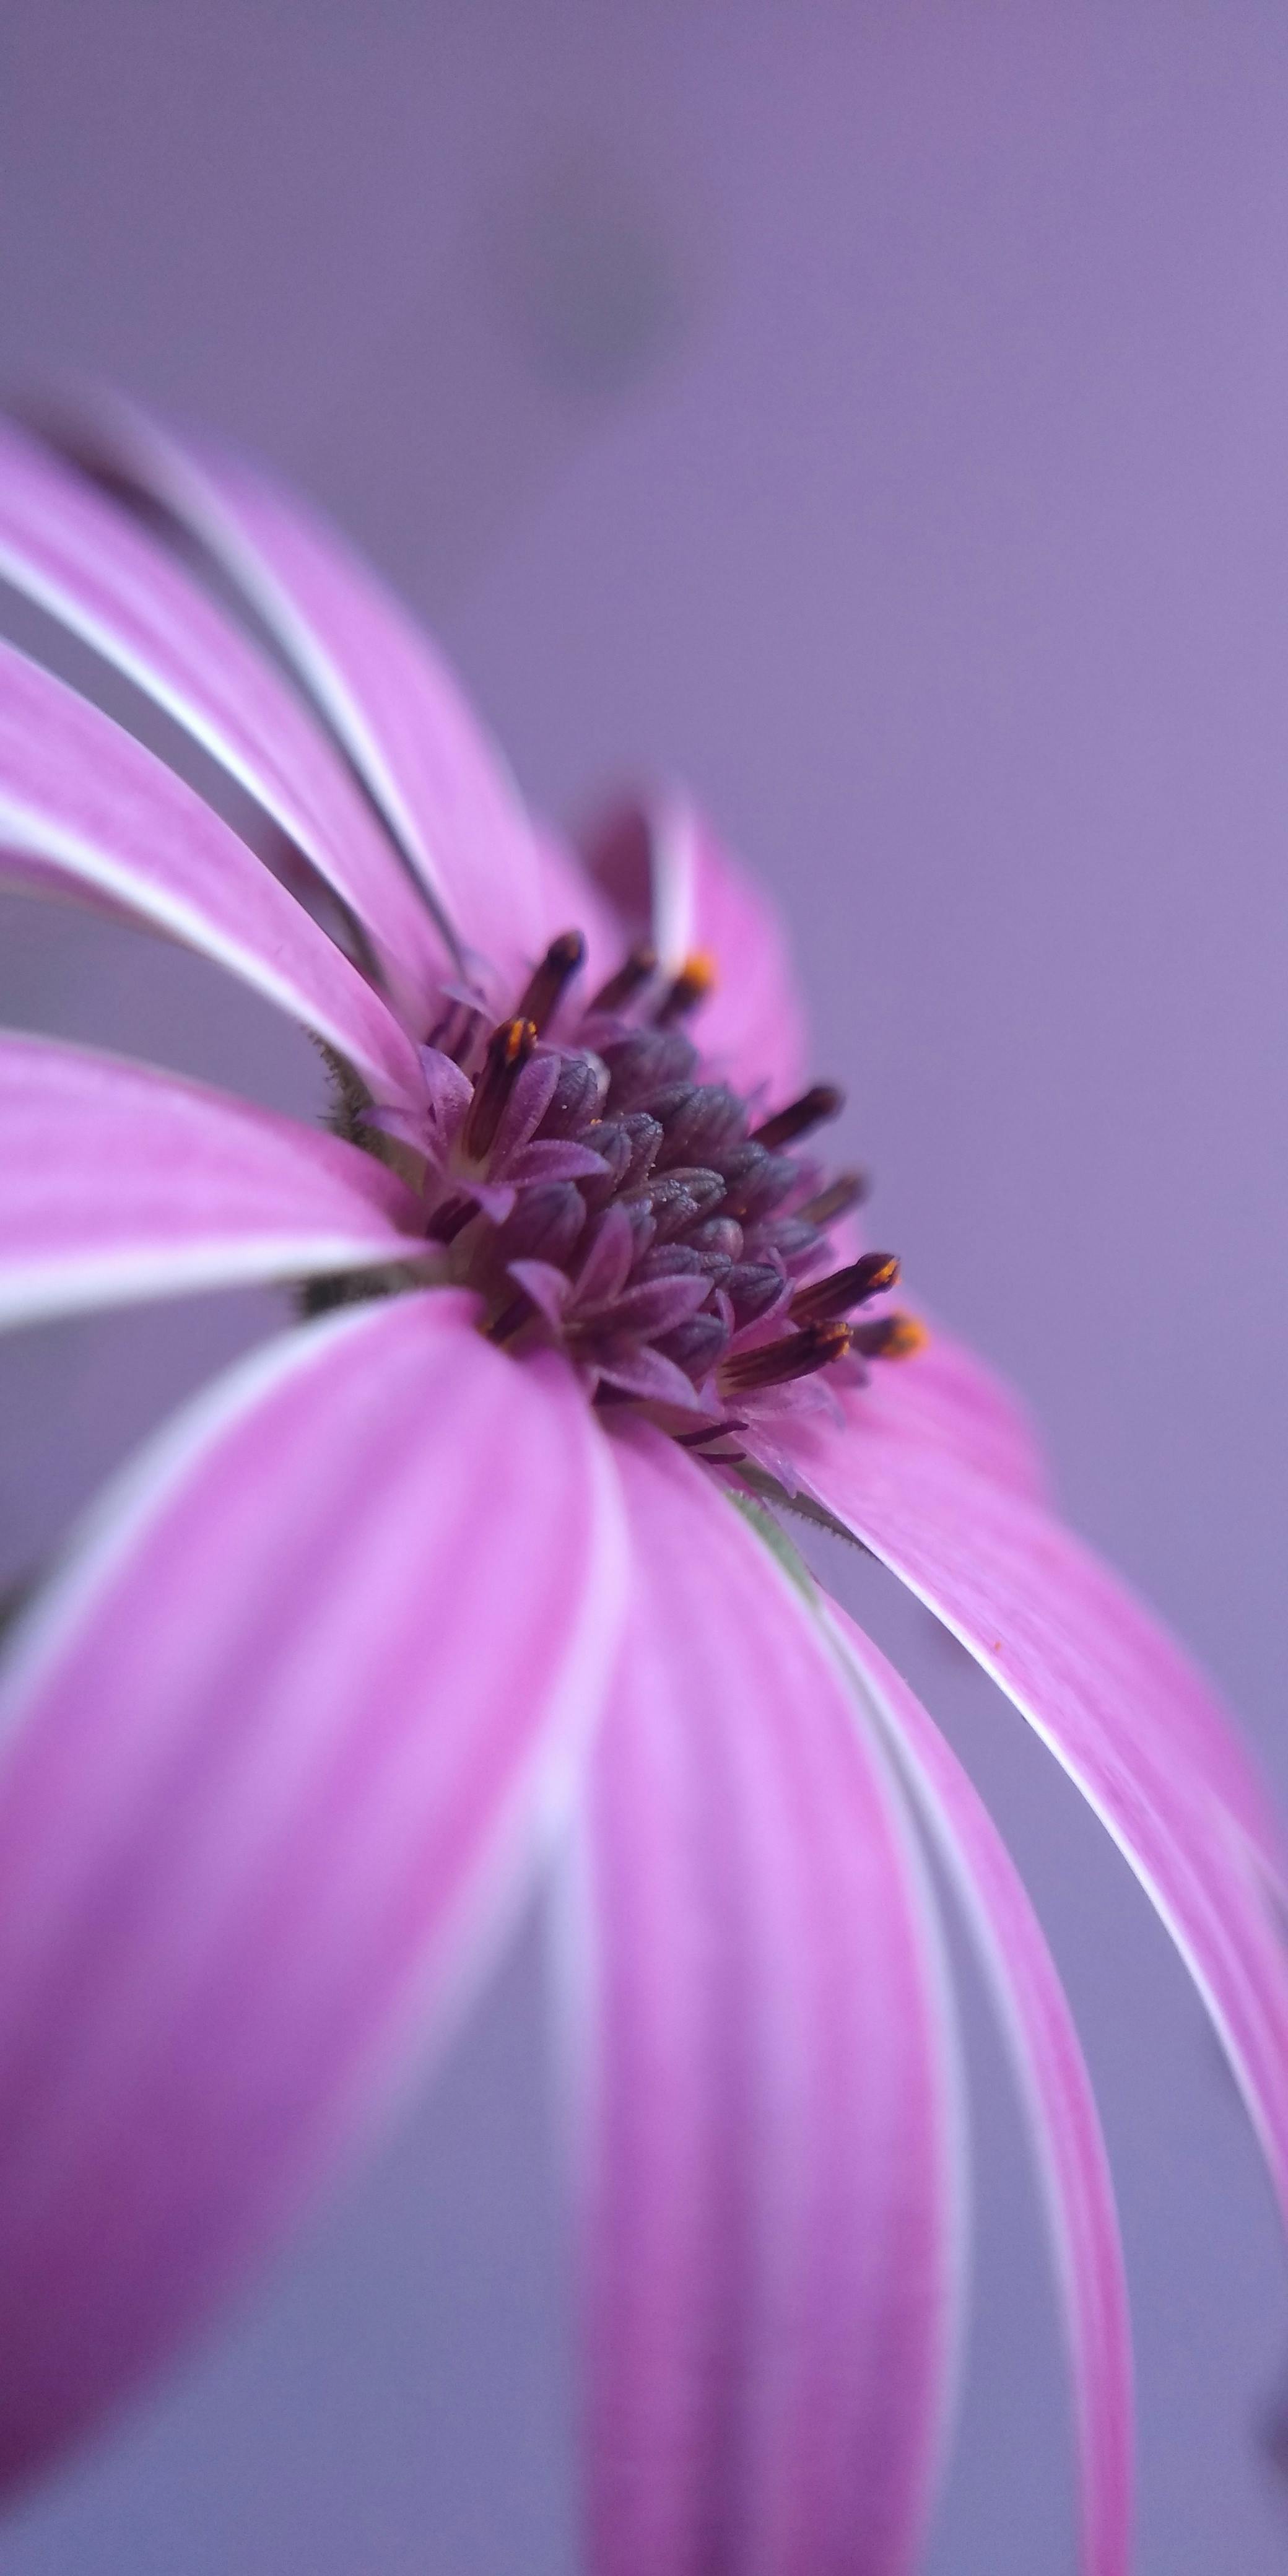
(479, 1575)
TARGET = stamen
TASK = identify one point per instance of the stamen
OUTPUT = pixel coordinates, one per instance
(891, 1337)
(800, 1116)
(508, 1050)
(844, 1288)
(725, 1429)
(622, 987)
(794, 1355)
(695, 980)
(456, 1031)
(599, 1193)
(847, 1191)
(451, 1219)
(512, 1318)
(702, 1443)
(550, 980)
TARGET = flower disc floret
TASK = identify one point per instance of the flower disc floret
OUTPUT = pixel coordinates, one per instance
(586, 1177)
(428, 1596)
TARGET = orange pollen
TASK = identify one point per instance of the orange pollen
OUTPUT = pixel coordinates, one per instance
(901, 1337)
(695, 981)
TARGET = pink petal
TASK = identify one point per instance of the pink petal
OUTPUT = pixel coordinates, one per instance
(84, 808)
(570, 900)
(117, 1182)
(87, 564)
(1049, 2066)
(374, 675)
(1128, 1717)
(766, 2184)
(277, 1747)
(947, 1398)
(950, 1397)
(664, 869)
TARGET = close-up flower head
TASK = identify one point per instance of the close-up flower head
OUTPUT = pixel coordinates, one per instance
(494, 1570)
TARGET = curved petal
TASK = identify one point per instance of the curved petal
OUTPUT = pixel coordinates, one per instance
(946, 1398)
(570, 900)
(83, 807)
(1117, 1703)
(1053, 2079)
(373, 674)
(767, 2121)
(117, 1182)
(665, 872)
(88, 564)
(275, 1749)
(950, 1396)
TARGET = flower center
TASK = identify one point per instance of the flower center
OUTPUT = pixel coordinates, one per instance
(596, 1191)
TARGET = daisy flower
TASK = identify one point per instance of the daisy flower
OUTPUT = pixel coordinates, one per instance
(482, 1571)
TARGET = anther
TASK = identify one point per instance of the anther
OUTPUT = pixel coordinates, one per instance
(847, 1191)
(549, 981)
(630, 979)
(890, 1337)
(844, 1289)
(456, 1031)
(693, 983)
(451, 1219)
(792, 1355)
(800, 1116)
(508, 1050)
(512, 1318)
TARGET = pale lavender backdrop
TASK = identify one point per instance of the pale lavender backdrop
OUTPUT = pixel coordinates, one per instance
(879, 413)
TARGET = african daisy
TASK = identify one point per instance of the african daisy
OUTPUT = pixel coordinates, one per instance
(479, 1571)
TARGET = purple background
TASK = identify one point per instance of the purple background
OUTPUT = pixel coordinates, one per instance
(878, 414)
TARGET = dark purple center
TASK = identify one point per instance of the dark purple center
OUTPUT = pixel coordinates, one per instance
(597, 1192)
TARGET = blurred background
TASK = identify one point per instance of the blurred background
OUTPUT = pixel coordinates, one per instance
(878, 415)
